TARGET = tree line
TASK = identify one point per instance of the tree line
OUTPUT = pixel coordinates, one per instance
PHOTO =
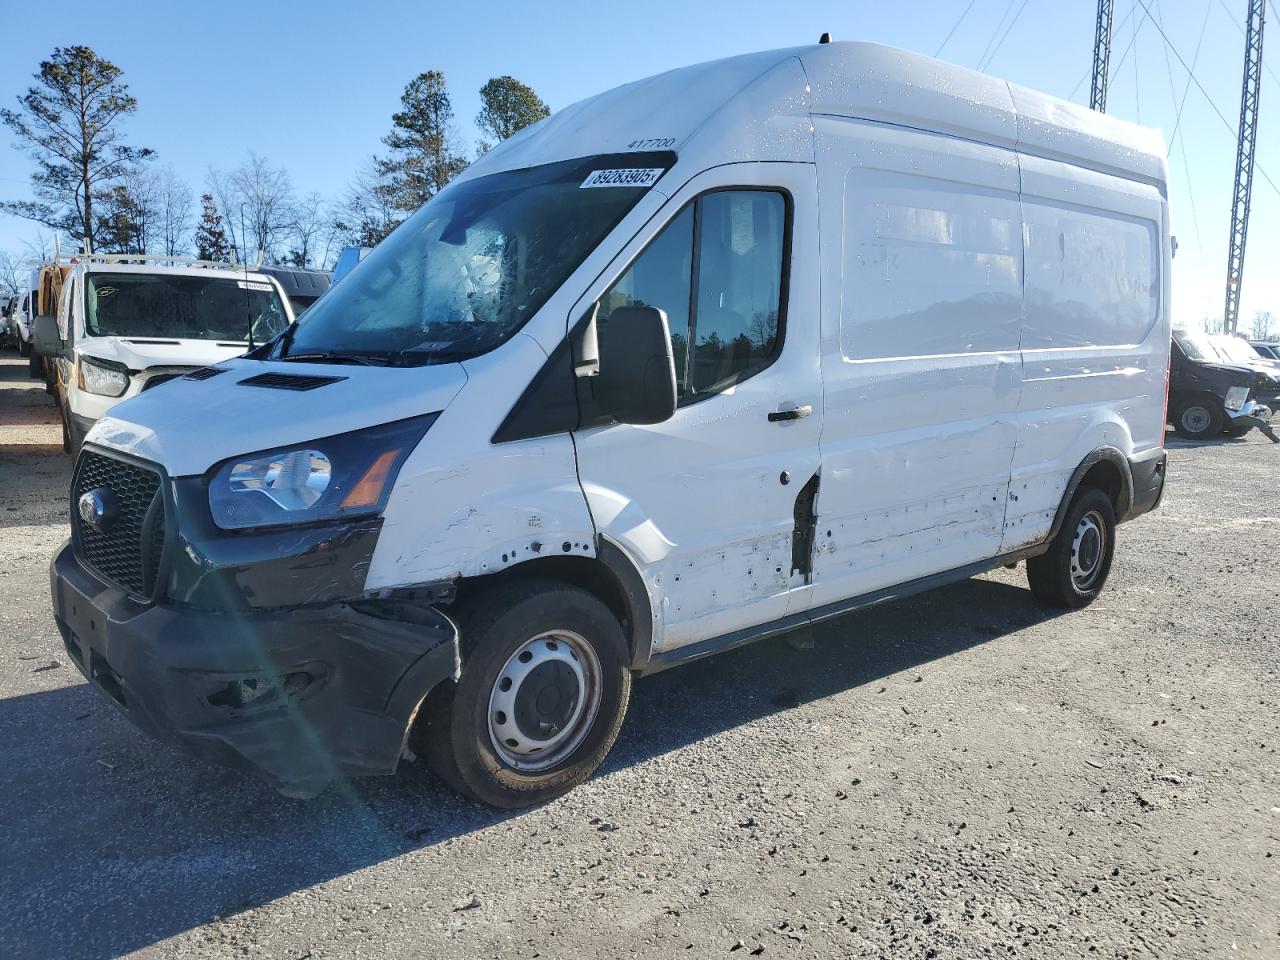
(90, 184)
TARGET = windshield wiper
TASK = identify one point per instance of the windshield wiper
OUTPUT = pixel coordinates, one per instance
(361, 359)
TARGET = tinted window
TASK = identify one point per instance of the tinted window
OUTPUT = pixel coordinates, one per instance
(181, 307)
(732, 242)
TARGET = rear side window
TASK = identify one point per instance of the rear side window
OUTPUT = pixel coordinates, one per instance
(717, 270)
(1091, 278)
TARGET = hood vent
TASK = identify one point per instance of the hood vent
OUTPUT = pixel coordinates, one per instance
(289, 381)
(204, 373)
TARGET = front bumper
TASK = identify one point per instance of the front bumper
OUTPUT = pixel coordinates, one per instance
(300, 695)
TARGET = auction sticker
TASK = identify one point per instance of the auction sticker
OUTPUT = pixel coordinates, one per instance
(252, 285)
(623, 177)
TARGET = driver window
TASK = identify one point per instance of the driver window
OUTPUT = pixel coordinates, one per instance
(717, 272)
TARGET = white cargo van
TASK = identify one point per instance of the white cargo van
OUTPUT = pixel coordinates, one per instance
(126, 324)
(701, 360)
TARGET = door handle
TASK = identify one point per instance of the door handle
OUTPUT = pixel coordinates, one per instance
(790, 412)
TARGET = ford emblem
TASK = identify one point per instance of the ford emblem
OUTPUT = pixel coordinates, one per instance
(97, 509)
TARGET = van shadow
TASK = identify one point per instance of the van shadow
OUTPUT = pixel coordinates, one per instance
(113, 843)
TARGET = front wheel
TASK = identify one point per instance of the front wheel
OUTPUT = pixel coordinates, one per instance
(1198, 420)
(544, 689)
(1071, 574)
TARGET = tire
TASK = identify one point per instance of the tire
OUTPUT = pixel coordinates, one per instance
(24, 348)
(35, 365)
(1198, 420)
(575, 644)
(1075, 568)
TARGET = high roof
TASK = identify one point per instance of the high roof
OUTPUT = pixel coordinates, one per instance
(758, 107)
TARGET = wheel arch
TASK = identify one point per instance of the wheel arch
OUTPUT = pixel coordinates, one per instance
(1107, 469)
(610, 576)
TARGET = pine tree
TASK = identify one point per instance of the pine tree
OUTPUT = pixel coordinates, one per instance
(508, 107)
(69, 123)
(424, 157)
(211, 237)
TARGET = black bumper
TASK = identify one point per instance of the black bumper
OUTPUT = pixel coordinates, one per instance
(299, 695)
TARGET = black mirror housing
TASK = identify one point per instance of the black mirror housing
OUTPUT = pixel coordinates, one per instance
(637, 379)
(45, 337)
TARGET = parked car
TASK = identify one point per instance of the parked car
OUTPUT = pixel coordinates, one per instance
(124, 325)
(1266, 350)
(1208, 396)
(348, 259)
(22, 317)
(619, 398)
(301, 286)
(1237, 352)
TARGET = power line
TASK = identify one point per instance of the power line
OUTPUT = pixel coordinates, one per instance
(1173, 90)
(1187, 87)
(1005, 37)
(954, 27)
(995, 33)
(1205, 93)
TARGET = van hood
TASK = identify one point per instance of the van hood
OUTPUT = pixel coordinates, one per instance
(143, 352)
(187, 426)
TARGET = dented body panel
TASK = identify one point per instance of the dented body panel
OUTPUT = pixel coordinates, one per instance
(970, 313)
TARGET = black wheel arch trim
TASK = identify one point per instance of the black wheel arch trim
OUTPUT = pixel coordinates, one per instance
(1123, 501)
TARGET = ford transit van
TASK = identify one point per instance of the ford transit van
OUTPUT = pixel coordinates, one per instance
(701, 360)
(116, 326)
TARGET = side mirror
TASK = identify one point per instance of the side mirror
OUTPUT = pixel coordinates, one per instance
(45, 338)
(637, 380)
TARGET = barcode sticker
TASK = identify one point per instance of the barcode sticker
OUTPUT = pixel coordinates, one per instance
(623, 177)
(252, 285)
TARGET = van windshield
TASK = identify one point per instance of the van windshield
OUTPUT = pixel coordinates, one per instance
(464, 273)
(179, 307)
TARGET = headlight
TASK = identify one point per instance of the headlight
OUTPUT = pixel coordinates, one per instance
(96, 377)
(1236, 397)
(347, 475)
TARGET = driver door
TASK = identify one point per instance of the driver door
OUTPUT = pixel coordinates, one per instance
(706, 504)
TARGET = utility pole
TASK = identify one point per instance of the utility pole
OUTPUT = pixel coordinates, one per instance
(1245, 149)
(1101, 56)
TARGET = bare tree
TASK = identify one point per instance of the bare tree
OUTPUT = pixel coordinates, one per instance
(256, 203)
(368, 211)
(129, 213)
(1261, 326)
(308, 227)
(174, 202)
(40, 248)
(11, 280)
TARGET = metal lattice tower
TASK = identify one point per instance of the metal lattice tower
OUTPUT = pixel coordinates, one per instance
(1101, 56)
(1245, 148)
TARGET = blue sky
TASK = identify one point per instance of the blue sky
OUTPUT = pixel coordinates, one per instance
(312, 86)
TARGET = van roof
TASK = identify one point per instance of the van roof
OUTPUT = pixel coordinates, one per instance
(759, 106)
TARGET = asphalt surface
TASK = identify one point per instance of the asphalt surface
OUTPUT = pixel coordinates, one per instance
(963, 774)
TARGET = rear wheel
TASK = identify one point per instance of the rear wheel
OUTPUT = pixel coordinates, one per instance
(35, 365)
(24, 348)
(1072, 573)
(544, 689)
(1198, 420)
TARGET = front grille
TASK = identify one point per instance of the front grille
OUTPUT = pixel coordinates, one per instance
(129, 548)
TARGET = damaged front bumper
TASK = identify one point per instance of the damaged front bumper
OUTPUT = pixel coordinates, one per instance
(300, 695)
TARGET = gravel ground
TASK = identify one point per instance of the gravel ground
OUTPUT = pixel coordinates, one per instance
(958, 775)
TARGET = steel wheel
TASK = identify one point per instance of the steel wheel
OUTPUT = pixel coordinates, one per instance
(1196, 419)
(1088, 547)
(544, 700)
